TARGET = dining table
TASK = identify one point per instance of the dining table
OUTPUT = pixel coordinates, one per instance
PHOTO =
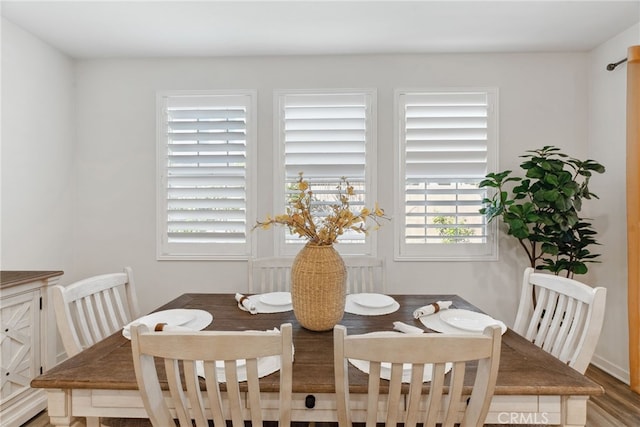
(533, 387)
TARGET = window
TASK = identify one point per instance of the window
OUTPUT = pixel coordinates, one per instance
(447, 143)
(326, 135)
(205, 167)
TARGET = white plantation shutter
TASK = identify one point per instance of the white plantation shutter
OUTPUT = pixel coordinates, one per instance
(327, 136)
(447, 146)
(203, 160)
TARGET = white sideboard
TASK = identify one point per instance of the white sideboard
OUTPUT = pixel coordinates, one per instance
(27, 342)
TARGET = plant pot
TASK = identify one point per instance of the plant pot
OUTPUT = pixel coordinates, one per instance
(318, 287)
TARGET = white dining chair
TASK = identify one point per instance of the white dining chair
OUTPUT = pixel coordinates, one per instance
(91, 309)
(423, 352)
(217, 351)
(270, 274)
(566, 318)
(365, 274)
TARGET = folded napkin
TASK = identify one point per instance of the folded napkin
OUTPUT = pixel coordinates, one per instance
(407, 329)
(431, 308)
(246, 304)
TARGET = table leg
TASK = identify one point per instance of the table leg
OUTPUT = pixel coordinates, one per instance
(574, 411)
(59, 409)
(93, 422)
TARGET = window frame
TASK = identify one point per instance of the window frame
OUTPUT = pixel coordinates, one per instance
(280, 247)
(204, 251)
(487, 251)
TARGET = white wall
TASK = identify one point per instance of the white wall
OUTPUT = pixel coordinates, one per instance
(543, 100)
(607, 143)
(38, 132)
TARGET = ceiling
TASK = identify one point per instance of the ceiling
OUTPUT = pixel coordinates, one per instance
(134, 29)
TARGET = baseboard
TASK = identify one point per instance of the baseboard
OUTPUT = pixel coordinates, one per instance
(611, 369)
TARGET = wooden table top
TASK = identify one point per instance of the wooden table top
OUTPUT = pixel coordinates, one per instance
(524, 368)
(10, 278)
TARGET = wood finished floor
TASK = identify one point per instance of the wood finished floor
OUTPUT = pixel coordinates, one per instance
(618, 407)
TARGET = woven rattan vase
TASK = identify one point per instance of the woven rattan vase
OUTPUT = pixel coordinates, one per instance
(318, 287)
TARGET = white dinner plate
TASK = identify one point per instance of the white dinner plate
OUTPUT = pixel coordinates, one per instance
(276, 298)
(467, 320)
(373, 300)
(350, 306)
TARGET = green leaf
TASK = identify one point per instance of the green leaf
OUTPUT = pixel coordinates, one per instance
(579, 268)
(535, 172)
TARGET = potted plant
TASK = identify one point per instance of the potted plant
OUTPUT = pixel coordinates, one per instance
(542, 209)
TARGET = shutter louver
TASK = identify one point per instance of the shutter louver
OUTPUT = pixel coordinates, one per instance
(206, 170)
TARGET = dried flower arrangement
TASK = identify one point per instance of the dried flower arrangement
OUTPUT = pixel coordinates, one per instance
(324, 230)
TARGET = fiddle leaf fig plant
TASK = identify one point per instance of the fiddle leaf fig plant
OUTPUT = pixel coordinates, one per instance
(542, 209)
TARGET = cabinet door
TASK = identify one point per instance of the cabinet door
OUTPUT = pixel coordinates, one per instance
(19, 344)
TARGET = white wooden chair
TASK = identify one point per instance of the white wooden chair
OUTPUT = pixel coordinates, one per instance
(180, 352)
(91, 309)
(270, 274)
(566, 320)
(418, 350)
(365, 274)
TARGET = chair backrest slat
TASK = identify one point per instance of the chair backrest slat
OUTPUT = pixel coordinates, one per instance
(215, 396)
(176, 390)
(117, 305)
(365, 274)
(104, 323)
(193, 391)
(84, 312)
(83, 321)
(394, 394)
(253, 392)
(452, 400)
(557, 322)
(271, 274)
(210, 348)
(435, 395)
(566, 318)
(112, 320)
(431, 352)
(577, 322)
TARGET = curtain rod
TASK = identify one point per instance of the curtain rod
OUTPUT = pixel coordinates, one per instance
(613, 65)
